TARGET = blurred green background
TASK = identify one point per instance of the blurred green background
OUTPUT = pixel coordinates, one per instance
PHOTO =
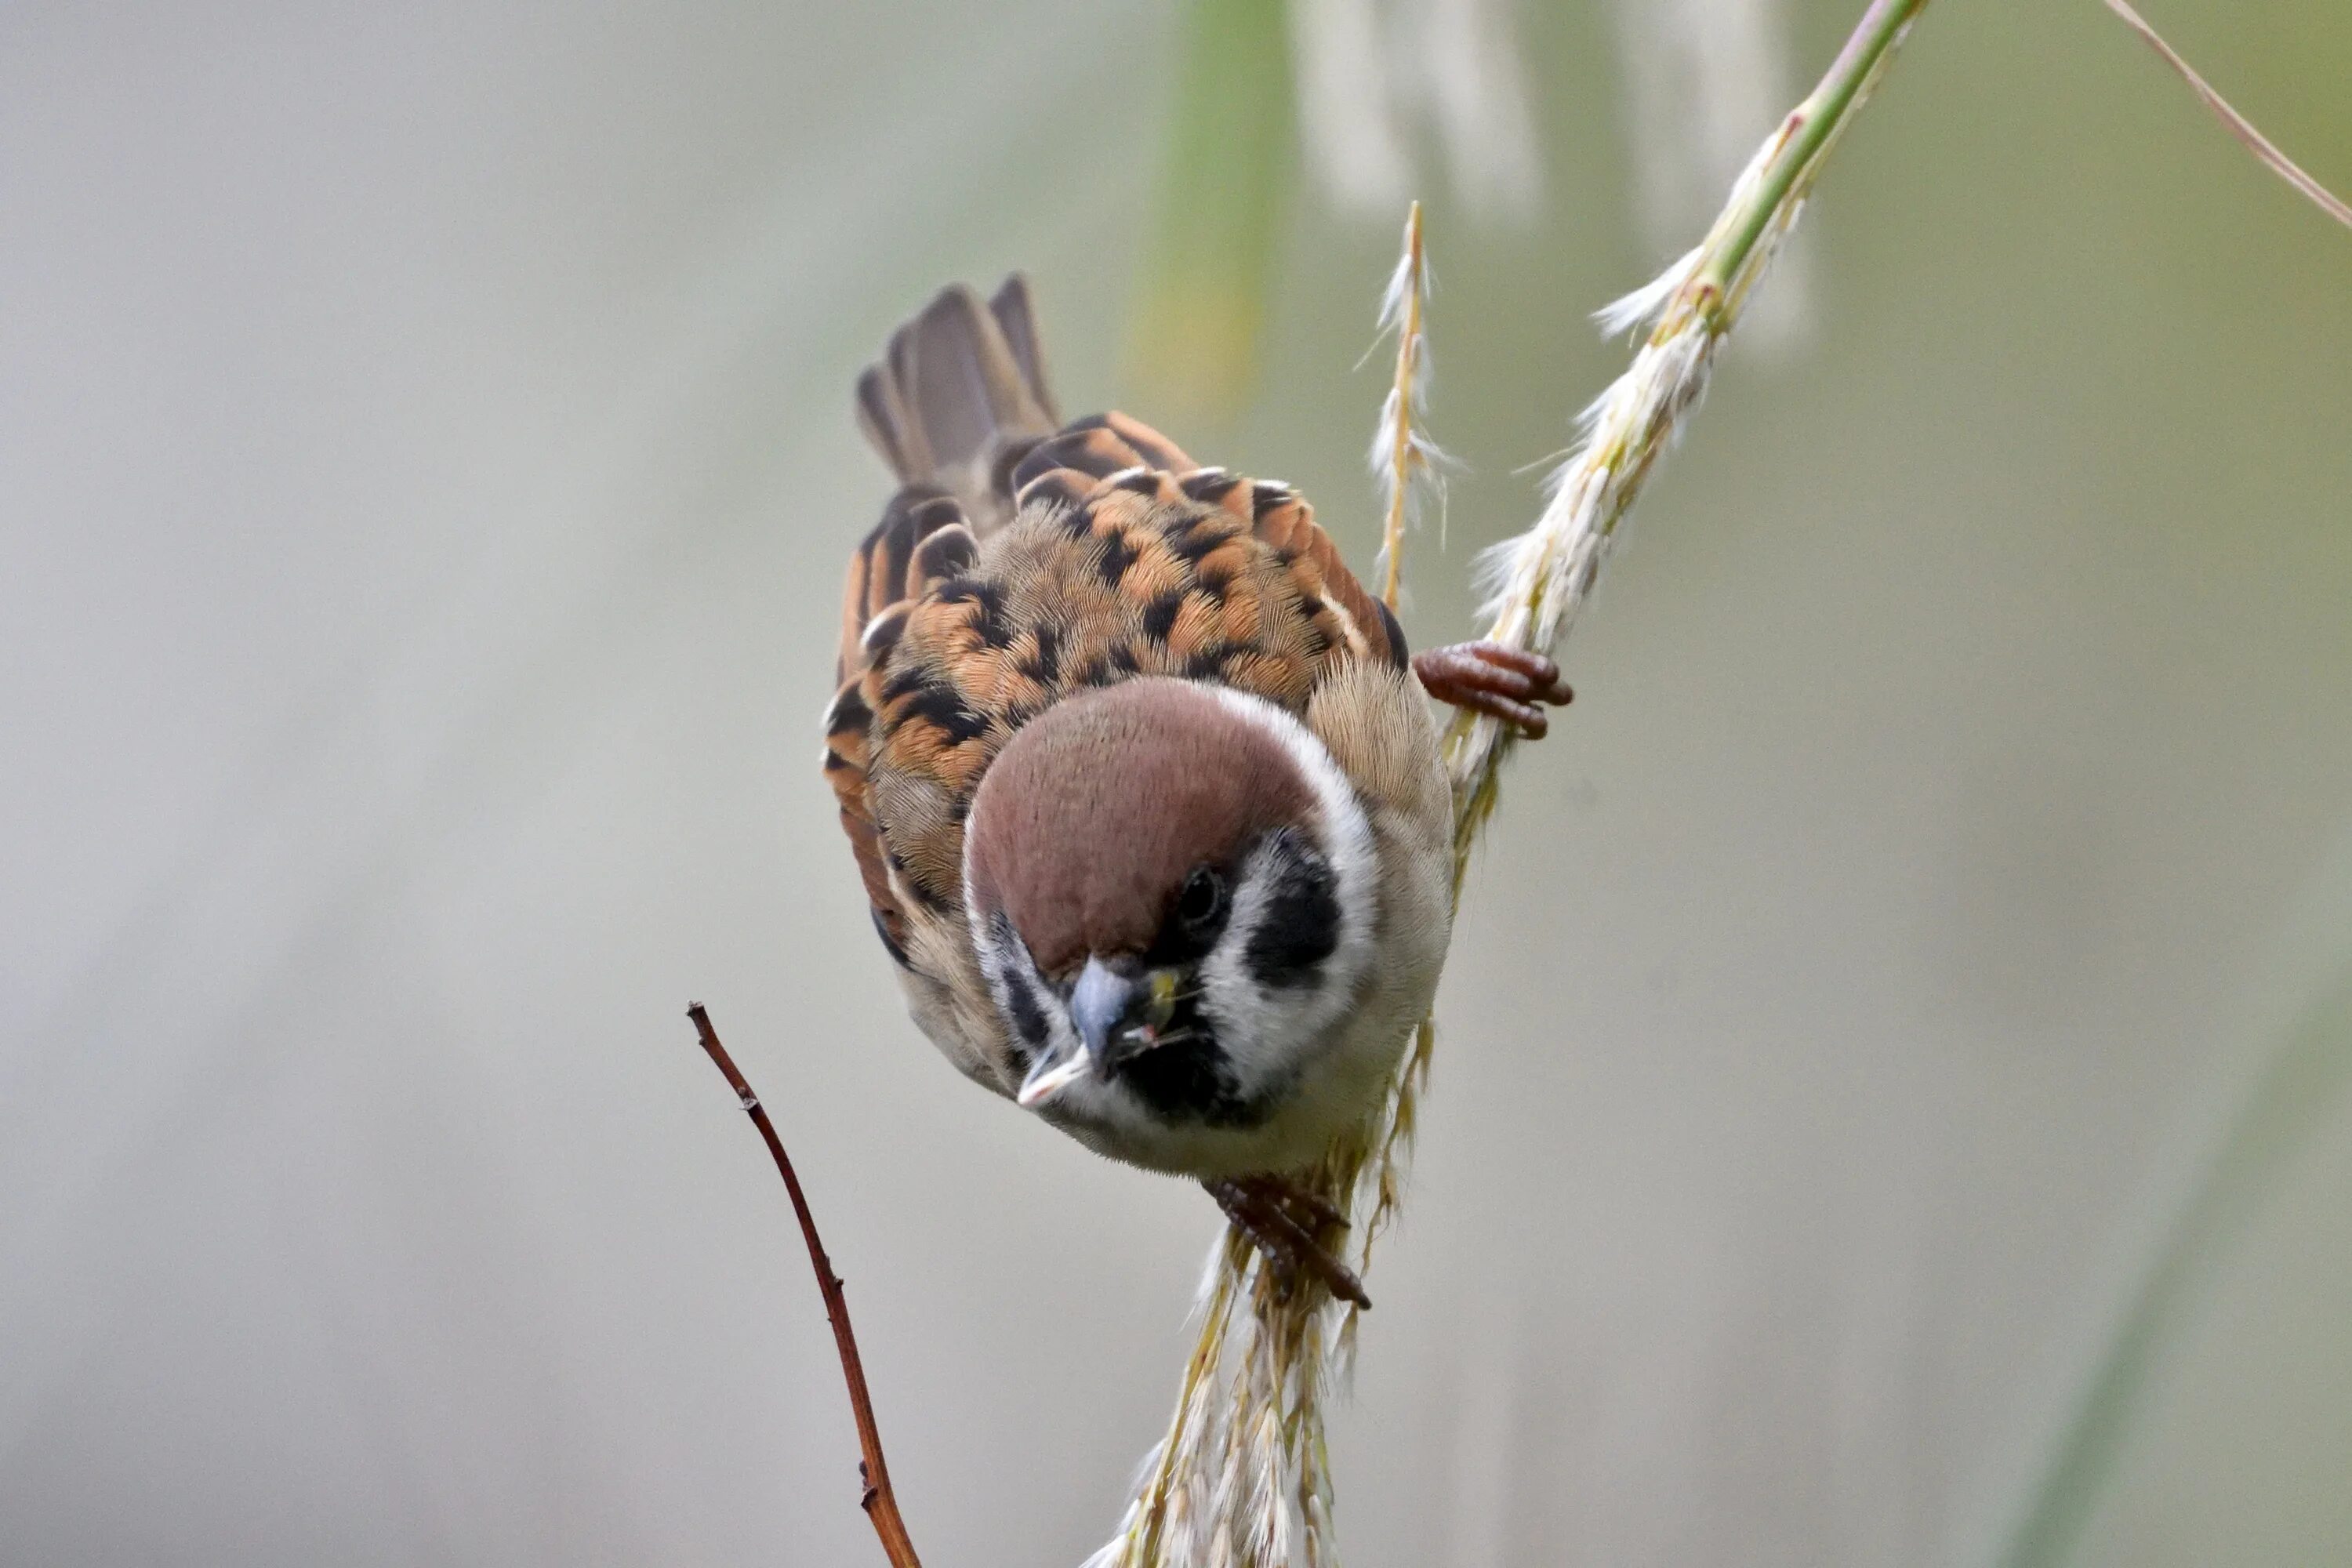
(1892, 1104)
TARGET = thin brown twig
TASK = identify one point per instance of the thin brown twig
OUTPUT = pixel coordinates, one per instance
(880, 1503)
(2279, 164)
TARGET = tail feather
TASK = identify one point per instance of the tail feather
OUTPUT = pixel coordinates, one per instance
(957, 387)
(884, 420)
(1014, 314)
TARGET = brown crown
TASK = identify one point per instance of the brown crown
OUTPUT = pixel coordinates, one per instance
(1089, 820)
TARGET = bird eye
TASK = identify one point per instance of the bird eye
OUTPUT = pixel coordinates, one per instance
(1201, 899)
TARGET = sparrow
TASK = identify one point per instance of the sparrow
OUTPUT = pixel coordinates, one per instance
(1144, 788)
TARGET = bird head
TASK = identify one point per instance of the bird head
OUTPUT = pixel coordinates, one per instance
(1172, 894)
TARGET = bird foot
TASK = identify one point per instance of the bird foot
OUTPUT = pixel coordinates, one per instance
(1286, 1223)
(1496, 679)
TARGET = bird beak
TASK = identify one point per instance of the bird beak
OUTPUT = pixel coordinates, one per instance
(1114, 1017)
(1100, 1002)
(1048, 1079)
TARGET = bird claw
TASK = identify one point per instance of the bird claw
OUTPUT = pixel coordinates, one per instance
(1285, 1222)
(1497, 679)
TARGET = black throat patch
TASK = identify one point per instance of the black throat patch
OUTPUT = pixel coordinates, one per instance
(1190, 1080)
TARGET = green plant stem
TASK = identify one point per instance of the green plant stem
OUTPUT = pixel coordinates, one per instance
(1807, 133)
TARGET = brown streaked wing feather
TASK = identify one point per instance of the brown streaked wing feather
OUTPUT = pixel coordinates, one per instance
(878, 568)
(1111, 442)
(1284, 519)
(959, 394)
(922, 541)
(848, 724)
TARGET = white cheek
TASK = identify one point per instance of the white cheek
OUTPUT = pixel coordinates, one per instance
(1250, 1018)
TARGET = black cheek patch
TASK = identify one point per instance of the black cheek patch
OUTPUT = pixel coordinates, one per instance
(1028, 1014)
(1301, 924)
(1028, 1017)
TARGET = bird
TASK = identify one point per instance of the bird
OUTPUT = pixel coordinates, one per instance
(1144, 788)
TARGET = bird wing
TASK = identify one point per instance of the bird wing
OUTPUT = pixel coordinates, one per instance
(959, 394)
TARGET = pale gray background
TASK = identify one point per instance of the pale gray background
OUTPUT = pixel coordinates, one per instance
(424, 468)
